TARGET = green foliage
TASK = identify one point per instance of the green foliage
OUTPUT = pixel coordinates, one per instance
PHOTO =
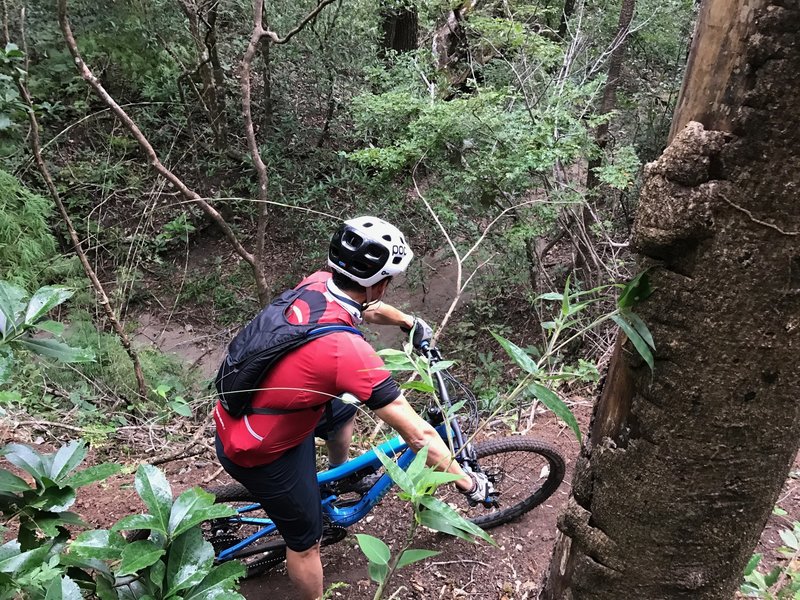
(546, 370)
(783, 581)
(620, 169)
(33, 563)
(21, 316)
(27, 247)
(417, 485)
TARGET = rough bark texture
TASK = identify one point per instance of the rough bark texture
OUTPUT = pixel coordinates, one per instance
(400, 28)
(684, 464)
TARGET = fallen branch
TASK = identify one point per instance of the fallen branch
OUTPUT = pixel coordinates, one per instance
(185, 451)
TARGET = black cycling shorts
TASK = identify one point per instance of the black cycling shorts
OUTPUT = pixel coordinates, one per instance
(287, 487)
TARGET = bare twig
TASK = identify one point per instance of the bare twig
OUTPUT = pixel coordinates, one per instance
(276, 39)
(147, 148)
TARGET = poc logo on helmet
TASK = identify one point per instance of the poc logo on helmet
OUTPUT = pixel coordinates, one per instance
(398, 250)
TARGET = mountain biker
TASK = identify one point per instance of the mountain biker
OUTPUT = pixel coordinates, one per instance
(273, 455)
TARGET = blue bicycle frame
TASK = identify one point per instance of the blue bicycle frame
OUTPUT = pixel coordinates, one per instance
(346, 515)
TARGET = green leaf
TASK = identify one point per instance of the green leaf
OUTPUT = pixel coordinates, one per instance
(63, 588)
(789, 539)
(771, 578)
(778, 511)
(551, 400)
(374, 549)
(442, 365)
(517, 354)
(218, 580)
(55, 499)
(641, 346)
(100, 544)
(92, 474)
(635, 291)
(377, 572)
(27, 459)
(438, 478)
(417, 466)
(43, 300)
(133, 522)
(397, 474)
(68, 457)
(11, 306)
(10, 483)
(565, 298)
(553, 296)
(153, 488)
(57, 350)
(190, 558)
(434, 505)
(181, 407)
(52, 523)
(192, 507)
(413, 555)
(137, 556)
(418, 386)
(641, 328)
(439, 522)
(752, 564)
(53, 327)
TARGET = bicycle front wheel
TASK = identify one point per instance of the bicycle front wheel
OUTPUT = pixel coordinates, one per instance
(523, 470)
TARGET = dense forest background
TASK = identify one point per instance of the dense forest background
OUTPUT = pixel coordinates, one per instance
(174, 164)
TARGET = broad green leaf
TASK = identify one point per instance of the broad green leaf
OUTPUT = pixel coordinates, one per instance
(156, 575)
(105, 589)
(771, 578)
(752, 564)
(43, 300)
(418, 386)
(218, 580)
(137, 556)
(413, 555)
(439, 522)
(10, 483)
(51, 523)
(377, 572)
(551, 400)
(53, 327)
(431, 477)
(778, 511)
(641, 328)
(789, 539)
(153, 488)
(190, 558)
(11, 306)
(554, 296)
(92, 474)
(417, 466)
(85, 564)
(57, 350)
(66, 459)
(636, 290)
(27, 459)
(641, 346)
(397, 474)
(22, 561)
(192, 507)
(181, 407)
(55, 499)
(442, 365)
(63, 588)
(100, 544)
(517, 354)
(133, 522)
(374, 549)
(437, 506)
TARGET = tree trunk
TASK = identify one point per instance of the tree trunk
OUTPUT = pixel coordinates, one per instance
(684, 464)
(569, 8)
(400, 28)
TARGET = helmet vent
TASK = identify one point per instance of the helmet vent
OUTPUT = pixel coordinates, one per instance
(397, 260)
(387, 237)
(368, 224)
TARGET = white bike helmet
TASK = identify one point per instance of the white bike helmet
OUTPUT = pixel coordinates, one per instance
(368, 249)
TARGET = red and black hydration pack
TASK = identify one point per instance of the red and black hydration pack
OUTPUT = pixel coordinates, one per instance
(261, 343)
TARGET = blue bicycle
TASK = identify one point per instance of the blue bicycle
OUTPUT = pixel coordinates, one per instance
(524, 472)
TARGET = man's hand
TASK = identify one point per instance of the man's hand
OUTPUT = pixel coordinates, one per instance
(422, 333)
(482, 491)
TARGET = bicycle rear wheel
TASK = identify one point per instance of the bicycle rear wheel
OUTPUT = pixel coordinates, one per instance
(525, 472)
(263, 554)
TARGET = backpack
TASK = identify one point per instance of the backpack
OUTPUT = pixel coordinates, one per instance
(261, 343)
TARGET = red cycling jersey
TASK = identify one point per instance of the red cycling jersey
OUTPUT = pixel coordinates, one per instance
(307, 377)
